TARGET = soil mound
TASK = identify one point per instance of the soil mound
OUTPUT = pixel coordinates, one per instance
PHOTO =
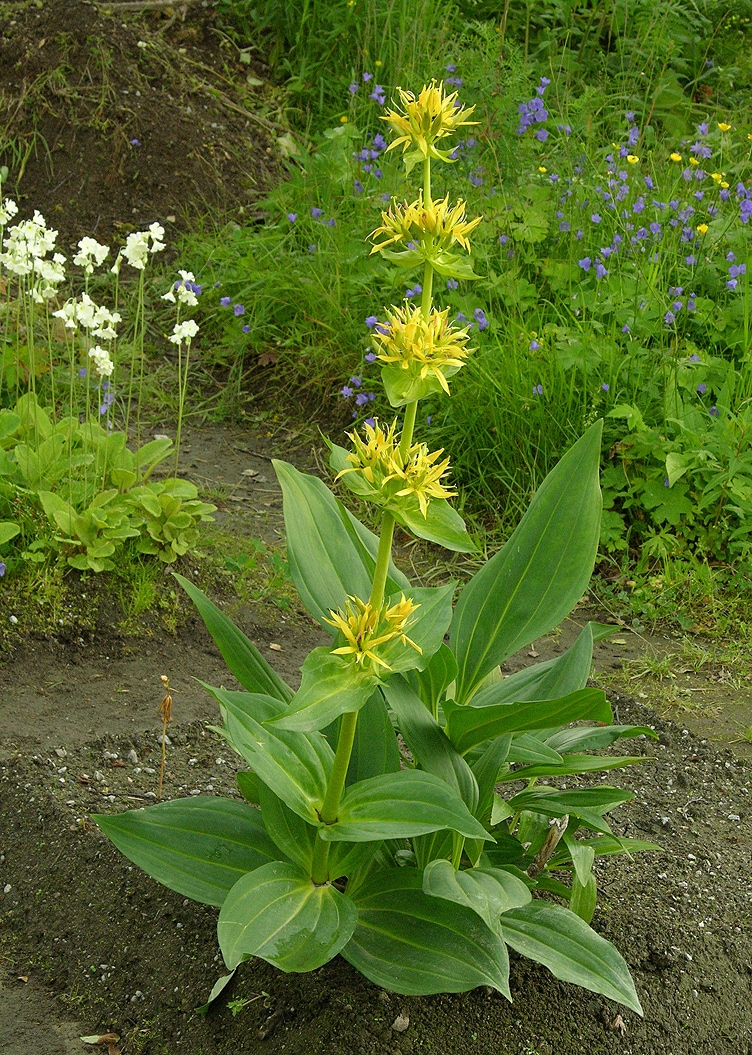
(115, 118)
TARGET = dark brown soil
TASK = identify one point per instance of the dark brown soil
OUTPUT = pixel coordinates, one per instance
(110, 119)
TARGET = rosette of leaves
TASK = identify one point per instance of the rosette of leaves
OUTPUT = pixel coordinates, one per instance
(426, 875)
(167, 514)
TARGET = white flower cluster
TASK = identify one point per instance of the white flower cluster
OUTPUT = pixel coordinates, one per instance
(96, 318)
(8, 210)
(184, 290)
(138, 246)
(91, 254)
(101, 360)
(184, 331)
(26, 248)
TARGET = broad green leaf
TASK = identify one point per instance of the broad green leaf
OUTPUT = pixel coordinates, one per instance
(431, 682)
(330, 685)
(603, 845)
(413, 944)
(570, 949)
(469, 725)
(487, 891)
(442, 524)
(537, 578)
(544, 681)
(375, 749)
(9, 423)
(278, 914)
(581, 854)
(198, 846)
(426, 627)
(289, 832)
(584, 897)
(242, 657)
(217, 989)
(296, 766)
(400, 805)
(573, 764)
(506, 850)
(585, 803)
(486, 771)
(249, 785)
(528, 748)
(330, 554)
(593, 738)
(428, 742)
(8, 530)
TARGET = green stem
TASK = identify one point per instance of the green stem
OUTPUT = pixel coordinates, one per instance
(425, 304)
(458, 845)
(320, 863)
(408, 428)
(427, 182)
(383, 557)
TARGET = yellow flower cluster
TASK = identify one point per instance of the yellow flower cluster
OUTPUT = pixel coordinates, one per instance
(426, 119)
(418, 221)
(365, 628)
(429, 346)
(378, 459)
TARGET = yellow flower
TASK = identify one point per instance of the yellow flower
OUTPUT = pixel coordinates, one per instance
(379, 461)
(702, 228)
(675, 156)
(716, 176)
(424, 120)
(427, 346)
(632, 159)
(694, 161)
(377, 62)
(542, 168)
(436, 223)
(724, 184)
(365, 628)
(724, 127)
(344, 119)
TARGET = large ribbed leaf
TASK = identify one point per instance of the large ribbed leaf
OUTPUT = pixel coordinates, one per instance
(296, 766)
(198, 846)
(469, 726)
(400, 805)
(330, 553)
(570, 949)
(537, 578)
(487, 891)
(240, 654)
(280, 915)
(428, 742)
(414, 944)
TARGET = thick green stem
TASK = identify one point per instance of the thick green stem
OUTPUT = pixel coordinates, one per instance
(408, 428)
(458, 845)
(425, 303)
(320, 864)
(383, 557)
(427, 182)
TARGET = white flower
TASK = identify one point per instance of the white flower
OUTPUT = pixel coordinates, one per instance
(136, 249)
(91, 253)
(8, 210)
(156, 230)
(68, 314)
(184, 331)
(102, 362)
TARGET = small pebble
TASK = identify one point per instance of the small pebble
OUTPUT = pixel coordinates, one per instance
(133, 757)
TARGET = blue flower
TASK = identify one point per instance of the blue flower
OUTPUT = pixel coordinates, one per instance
(600, 270)
(371, 321)
(605, 386)
(135, 142)
(315, 212)
(713, 411)
(2, 568)
(378, 95)
(702, 388)
(346, 392)
(246, 328)
(239, 309)
(537, 390)
(370, 357)
(367, 77)
(352, 88)
(480, 317)
(225, 301)
(534, 346)
(585, 263)
(452, 283)
(625, 328)
(694, 358)
(292, 217)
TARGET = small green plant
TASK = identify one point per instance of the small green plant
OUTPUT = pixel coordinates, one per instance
(416, 869)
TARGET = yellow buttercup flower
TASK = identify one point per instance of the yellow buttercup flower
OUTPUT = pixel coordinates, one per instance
(542, 168)
(694, 161)
(427, 346)
(377, 62)
(424, 120)
(436, 222)
(724, 127)
(632, 159)
(365, 628)
(724, 184)
(702, 228)
(675, 156)
(717, 176)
